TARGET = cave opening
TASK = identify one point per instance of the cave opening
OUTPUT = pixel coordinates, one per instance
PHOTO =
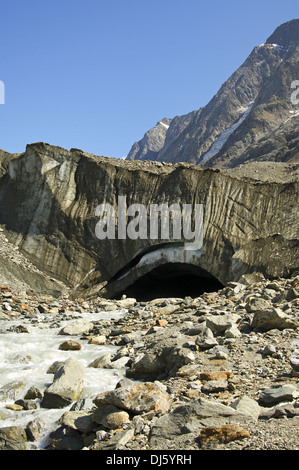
(172, 280)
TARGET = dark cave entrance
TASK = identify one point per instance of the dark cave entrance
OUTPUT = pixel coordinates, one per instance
(172, 280)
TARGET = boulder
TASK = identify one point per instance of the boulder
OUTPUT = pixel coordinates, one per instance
(78, 420)
(220, 323)
(13, 438)
(206, 339)
(117, 441)
(275, 318)
(100, 339)
(163, 357)
(70, 345)
(101, 362)
(67, 385)
(273, 395)
(110, 417)
(78, 327)
(191, 418)
(247, 406)
(139, 398)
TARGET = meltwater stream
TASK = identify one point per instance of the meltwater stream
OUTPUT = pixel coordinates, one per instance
(26, 357)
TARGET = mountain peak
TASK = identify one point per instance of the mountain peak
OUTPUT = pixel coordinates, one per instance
(286, 34)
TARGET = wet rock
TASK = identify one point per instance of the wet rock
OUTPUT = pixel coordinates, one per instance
(100, 339)
(101, 362)
(11, 390)
(14, 406)
(18, 329)
(33, 429)
(78, 327)
(13, 438)
(27, 404)
(66, 387)
(70, 345)
(54, 367)
(32, 393)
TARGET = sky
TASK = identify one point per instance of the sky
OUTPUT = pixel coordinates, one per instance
(97, 74)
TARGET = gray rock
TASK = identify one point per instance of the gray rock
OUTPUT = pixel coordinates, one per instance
(251, 278)
(206, 339)
(190, 418)
(66, 387)
(272, 319)
(101, 362)
(257, 304)
(13, 438)
(164, 356)
(247, 406)
(214, 386)
(220, 323)
(118, 440)
(294, 360)
(78, 327)
(110, 417)
(78, 420)
(270, 396)
(285, 410)
(232, 332)
(34, 428)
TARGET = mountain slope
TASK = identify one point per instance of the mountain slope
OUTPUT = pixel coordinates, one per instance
(250, 117)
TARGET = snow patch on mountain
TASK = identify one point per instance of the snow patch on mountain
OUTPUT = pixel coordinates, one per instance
(163, 124)
(222, 138)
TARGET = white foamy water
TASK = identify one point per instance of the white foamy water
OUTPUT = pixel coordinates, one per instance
(26, 357)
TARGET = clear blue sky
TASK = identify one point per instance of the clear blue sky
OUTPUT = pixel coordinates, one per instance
(97, 74)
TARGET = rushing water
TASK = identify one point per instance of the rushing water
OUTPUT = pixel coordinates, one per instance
(25, 358)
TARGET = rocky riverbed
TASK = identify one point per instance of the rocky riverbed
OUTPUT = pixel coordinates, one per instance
(219, 371)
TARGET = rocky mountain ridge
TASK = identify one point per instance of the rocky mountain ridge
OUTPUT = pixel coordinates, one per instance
(250, 118)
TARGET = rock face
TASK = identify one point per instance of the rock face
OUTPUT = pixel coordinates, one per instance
(251, 117)
(159, 138)
(48, 198)
(151, 143)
